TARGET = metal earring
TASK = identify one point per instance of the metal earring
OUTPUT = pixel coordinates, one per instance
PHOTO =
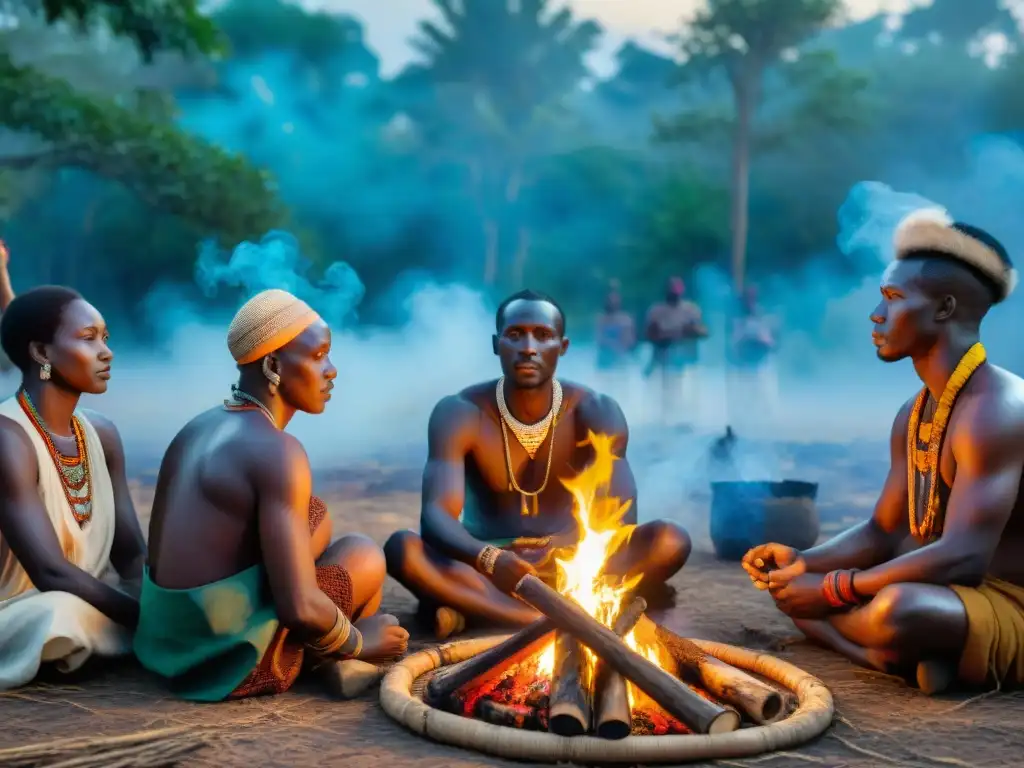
(44, 372)
(273, 378)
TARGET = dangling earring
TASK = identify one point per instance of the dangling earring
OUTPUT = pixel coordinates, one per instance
(273, 378)
(44, 372)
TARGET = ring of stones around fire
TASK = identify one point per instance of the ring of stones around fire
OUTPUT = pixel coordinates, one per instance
(811, 718)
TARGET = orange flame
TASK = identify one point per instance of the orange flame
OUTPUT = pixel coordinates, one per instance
(599, 515)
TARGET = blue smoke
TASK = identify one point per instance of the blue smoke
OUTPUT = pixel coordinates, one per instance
(276, 262)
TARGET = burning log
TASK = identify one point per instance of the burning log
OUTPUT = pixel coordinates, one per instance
(614, 718)
(701, 715)
(569, 713)
(511, 716)
(491, 663)
(759, 701)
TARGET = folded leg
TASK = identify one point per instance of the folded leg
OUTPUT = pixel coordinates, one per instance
(437, 581)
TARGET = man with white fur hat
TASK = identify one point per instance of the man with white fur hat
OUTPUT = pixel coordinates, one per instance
(932, 586)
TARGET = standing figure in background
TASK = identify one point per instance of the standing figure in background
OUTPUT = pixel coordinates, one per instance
(616, 340)
(752, 378)
(674, 326)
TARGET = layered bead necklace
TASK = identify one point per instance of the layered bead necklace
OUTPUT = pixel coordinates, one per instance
(531, 437)
(242, 401)
(925, 464)
(75, 477)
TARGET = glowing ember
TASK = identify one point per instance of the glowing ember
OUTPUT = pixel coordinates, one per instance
(523, 690)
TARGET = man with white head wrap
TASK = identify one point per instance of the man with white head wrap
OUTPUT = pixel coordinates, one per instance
(932, 586)
(243, 582)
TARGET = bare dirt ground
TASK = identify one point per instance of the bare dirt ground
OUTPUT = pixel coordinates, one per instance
(879, 720)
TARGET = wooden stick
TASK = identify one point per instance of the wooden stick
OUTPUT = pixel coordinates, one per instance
(614, 716)
(569, 713)
(759, 701)
(676, 698)
(489, 664)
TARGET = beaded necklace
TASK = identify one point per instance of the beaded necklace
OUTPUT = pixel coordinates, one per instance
(527, 435)
(243, 401)
(933, 434)
(73, 470)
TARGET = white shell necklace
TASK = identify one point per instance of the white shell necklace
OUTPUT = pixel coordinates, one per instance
(530, 436)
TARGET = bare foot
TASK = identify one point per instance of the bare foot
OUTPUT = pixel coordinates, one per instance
(448, 621)
(383, 638)
(935, 676)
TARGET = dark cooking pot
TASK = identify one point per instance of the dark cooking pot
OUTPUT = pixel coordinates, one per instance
(747, 513)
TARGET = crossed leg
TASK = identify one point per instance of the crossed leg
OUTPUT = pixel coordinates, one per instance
(904, 625)
(657, 550)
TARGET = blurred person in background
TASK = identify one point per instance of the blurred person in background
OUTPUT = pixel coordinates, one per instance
(752, 378)
(616, 342)
(673, 327)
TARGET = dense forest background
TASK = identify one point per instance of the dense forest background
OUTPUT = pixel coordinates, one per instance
(133, 132)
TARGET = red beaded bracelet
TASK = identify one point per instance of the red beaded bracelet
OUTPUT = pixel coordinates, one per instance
(837, 587)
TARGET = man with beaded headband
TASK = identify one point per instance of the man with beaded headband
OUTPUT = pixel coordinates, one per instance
(493, 508)
(243, 582)
(932, 586)
(71, 550)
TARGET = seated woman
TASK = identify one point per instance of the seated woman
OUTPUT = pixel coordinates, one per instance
(243, 583)
(66, 515)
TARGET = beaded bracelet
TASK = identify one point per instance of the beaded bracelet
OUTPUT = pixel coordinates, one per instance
(837, 587)
(487, 559)
(343, 639)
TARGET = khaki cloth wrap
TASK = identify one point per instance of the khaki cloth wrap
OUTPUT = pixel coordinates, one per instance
(267, 322)
(994, 650)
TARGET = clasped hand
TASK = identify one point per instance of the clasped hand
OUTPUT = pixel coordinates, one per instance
(783, 572)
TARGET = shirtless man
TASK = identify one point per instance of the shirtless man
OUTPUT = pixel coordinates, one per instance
(933, 584)
(233, 515)
(483, 529)
(674, 327)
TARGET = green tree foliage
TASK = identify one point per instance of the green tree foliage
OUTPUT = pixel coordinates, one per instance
(745, 40)
(132, 139)
(251, 25)
(171, 170)
(154, 25)
(500, 74)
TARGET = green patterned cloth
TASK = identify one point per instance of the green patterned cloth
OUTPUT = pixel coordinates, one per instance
(204, 642)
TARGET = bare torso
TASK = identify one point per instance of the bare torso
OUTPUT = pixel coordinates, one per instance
(492, 510)
(205, 478)
(988, 382)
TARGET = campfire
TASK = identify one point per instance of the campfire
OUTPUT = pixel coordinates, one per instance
(595, 664)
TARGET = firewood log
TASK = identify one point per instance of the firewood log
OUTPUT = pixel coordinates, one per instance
(758, 700)
(676, 698)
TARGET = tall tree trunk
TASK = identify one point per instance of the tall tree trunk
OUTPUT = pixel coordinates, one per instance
(492, 247)
(521, 257)
(740, 203)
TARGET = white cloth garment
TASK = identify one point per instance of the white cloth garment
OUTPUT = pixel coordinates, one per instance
(58, 627)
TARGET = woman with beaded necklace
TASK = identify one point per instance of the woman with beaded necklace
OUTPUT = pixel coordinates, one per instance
(67, 521)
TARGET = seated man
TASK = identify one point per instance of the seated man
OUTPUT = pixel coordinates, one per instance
(243, 582)
(67, 521)
(933, 583)
(493, 508)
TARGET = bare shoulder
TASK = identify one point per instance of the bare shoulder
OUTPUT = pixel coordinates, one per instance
(902, 421)
(991, 409)
(461, 411)
(594, 411)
